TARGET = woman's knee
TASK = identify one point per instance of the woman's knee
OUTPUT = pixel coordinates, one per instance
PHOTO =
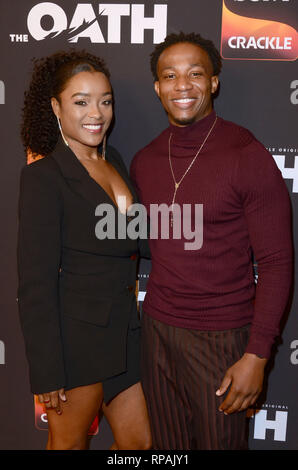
(135, 441)
(67, 443)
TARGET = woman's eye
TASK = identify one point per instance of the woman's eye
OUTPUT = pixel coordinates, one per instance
(80, 103)
(108, 102)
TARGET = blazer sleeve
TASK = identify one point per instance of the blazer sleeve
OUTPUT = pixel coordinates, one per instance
(38, 255)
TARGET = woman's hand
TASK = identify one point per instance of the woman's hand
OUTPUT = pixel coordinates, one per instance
(52, 400)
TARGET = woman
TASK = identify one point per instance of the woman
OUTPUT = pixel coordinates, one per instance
(77, 293)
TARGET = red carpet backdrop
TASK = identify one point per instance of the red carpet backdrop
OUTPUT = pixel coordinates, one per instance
(259, 90)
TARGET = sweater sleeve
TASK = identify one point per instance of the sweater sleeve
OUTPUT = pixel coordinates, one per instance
(38, 255)
(267, 210)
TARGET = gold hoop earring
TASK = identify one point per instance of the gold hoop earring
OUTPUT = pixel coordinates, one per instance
(60, 129)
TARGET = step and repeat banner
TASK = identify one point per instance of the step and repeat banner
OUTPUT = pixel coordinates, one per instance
(257, 40)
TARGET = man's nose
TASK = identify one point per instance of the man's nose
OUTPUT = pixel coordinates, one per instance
(183, 83)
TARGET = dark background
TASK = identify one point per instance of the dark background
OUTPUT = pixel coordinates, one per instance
(255, 94)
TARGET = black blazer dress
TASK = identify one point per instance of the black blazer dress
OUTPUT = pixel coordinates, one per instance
(76, 293)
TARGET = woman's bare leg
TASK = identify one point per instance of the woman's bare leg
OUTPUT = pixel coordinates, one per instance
(128, 417)
(69, 431)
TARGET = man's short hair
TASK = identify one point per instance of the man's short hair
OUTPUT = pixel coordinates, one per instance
(192, 38)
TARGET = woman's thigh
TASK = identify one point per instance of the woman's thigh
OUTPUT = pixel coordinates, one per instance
(128, 417)
(70, 429)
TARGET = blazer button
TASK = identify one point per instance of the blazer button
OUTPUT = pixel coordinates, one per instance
(130, 288)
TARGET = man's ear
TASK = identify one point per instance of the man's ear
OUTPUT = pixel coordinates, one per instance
(214, 83)
(55, 106)
(156, 88)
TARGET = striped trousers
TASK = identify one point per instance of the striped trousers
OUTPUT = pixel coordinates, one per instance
(181, 371)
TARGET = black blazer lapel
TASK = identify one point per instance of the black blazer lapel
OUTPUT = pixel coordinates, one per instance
(79, 179)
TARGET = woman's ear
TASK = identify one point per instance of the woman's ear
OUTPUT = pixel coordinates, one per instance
(55, 106)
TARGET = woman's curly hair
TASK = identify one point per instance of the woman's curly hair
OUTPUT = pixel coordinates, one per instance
(39, 128)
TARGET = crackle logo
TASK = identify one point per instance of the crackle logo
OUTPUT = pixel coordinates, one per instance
(96, 22)
(41, 418)
(259, 30)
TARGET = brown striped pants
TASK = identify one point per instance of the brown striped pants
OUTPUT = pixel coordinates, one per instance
(181, 371)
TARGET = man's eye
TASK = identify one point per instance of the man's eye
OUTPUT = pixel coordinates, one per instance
(170, 75)
(197, 74)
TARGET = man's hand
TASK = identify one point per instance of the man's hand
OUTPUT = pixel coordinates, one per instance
(245, 379)
(52, 399)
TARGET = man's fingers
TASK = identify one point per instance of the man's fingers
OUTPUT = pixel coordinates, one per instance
(237, 401)
(246, 403)
(228, 401)
(232, 405)
(224, 385)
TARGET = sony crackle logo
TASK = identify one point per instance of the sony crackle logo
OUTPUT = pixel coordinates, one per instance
(98, 22)
(259, 30)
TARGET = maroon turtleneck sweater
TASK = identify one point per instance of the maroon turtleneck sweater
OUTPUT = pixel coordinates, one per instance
(246, 209)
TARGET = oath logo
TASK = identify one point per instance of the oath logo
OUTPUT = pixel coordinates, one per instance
(258, 30)
(294, 354)
(270, 422)
(41, 418)
(2, 353)
(2, 92)
(100, 22)
(294, 94)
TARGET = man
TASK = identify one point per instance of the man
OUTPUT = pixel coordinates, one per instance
(208, 328)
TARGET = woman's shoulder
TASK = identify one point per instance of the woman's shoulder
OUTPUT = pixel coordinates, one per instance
(43, 165)
(43, 172)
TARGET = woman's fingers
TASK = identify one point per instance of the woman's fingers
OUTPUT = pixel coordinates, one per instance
(51, 400)
(62, 395)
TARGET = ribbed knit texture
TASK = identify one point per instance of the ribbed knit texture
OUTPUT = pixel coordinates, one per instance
(246, 210)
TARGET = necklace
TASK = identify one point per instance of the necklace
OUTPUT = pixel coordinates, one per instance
(177, 183)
